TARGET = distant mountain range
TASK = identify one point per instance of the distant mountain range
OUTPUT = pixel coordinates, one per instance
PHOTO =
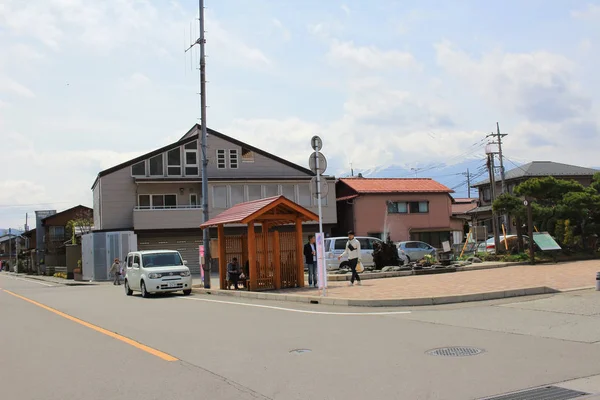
(453, 176)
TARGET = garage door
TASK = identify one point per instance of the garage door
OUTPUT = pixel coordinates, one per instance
(186, 245)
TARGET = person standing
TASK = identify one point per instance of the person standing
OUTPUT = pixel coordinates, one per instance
(310, 259)
(353, 252)
(115, 269)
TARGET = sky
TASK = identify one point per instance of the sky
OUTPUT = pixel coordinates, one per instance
(390, 86)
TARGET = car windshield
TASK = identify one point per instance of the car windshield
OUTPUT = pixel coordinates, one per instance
(161, 260)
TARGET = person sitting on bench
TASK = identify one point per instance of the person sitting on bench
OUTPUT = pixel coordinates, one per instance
(234, 271)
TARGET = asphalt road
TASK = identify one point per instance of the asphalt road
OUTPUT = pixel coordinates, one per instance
(59, 343)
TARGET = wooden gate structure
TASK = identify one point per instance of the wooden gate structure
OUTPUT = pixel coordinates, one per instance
(274, 259)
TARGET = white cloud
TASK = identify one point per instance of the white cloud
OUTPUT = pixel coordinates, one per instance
(370, 57)
(346, 9)
(11, 86)
(285, 33)
(539, 85)
(591, 13)
(137, 80)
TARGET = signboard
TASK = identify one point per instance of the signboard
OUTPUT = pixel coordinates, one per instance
(321, 265)
(545, 242)
(201, 253)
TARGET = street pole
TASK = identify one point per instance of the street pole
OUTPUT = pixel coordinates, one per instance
(530, 231)
(205, 232)
(468, 183)
(502, 177)
(320, 219)
(490, 164)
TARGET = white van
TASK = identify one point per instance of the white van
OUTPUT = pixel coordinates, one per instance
(157, 271)
(335, 246)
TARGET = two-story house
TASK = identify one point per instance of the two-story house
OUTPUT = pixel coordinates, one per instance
(159, 194)
(482, 215)
(405, 209)
(57, 233)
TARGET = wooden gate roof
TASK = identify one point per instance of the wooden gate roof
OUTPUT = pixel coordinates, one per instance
(276, 210)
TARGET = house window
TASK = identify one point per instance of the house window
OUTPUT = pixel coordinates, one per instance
(139, 169)
(144, 201)
(247, 155)
(254, 192)
(289, 191)
(395, 207)
(157, 201)
(220, 199)
(174, 162)
(233, 158)
(304, 196)
(191, 159)
(271, 190)
(156, 166)
(419, 207)
(487, 194)
(237, 194)
(221, 163)
(57, 233)
(194, 200)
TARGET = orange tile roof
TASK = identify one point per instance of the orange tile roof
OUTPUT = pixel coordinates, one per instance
(395, 185)
(239, 212)
(463, 208)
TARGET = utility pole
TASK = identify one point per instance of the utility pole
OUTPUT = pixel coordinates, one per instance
(500, 136)
(201, 41)
(490, 165)
(351, 170)
(468, 175)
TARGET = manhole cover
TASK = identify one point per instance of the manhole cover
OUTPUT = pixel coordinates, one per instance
(300, 351)
(546, 393)
(455, 351)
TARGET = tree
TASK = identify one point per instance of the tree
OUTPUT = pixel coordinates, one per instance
(547, 194)
(82, 223)
(582, 207)
(506, 203)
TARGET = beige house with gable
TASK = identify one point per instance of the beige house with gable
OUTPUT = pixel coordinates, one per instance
(158, 195)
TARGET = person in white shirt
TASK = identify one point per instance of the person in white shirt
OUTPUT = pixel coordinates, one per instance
(353, 252)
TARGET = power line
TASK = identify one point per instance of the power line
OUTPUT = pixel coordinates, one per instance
(32, 204)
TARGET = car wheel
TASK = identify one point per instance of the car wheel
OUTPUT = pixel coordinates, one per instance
(128, 290)
(187, 292)
(145, 293)
(344, 264)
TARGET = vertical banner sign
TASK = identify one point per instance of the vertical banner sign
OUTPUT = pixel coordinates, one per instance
(201, 251)
(321, 266)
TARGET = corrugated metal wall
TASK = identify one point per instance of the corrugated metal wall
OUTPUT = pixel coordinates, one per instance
(187, 245)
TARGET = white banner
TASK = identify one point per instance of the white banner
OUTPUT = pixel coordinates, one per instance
(321, 265)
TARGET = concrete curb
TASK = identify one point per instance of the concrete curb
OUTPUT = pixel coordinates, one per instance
(42, 279)
(409, 302)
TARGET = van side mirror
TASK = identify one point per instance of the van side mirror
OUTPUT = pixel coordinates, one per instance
(184, 262)
(136, 265)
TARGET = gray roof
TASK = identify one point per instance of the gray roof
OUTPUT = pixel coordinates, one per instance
(543, 168)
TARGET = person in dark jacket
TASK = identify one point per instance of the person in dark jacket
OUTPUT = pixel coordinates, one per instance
(310, 259)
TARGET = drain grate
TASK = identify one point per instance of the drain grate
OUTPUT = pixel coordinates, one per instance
(543, 393)
(456, 351)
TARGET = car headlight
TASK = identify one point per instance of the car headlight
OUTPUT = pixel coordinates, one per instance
(185, 273)
(154, 276)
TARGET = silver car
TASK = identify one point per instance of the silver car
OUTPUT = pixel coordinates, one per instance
(415, 251)
(335, 246)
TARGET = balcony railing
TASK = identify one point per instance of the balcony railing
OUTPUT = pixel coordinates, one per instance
(167, 217)
(178, 207)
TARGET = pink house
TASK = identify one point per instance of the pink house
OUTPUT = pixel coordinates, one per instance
(405, 209)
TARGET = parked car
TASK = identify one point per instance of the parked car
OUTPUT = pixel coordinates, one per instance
(415, 251)
(157, 271)
(490, 247)
(335, 246)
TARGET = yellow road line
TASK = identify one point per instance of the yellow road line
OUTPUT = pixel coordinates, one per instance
(113, 335)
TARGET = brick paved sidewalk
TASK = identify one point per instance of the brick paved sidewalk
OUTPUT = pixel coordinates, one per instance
(562, 276)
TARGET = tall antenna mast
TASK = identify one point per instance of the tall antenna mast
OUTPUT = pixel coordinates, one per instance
(201, 41)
